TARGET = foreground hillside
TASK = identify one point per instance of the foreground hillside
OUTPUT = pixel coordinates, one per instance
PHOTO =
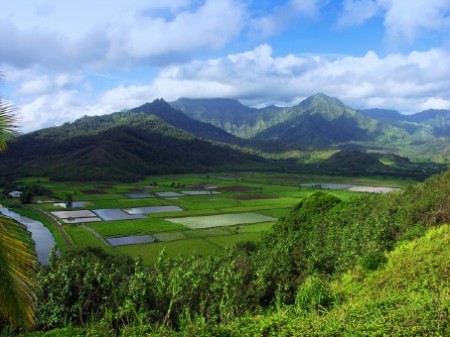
(375, 265)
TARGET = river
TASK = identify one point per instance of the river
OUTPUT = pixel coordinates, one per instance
(44, 241)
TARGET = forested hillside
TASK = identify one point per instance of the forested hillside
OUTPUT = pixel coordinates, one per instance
(321, 121)
(120, 146)
(372, 265)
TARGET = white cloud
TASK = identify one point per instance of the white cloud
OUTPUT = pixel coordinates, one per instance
(38, 85)
(404, 20)
(284, 15)
(101, 34)
(408, 82)
(403, 81)
(210, 26)
(357, 12)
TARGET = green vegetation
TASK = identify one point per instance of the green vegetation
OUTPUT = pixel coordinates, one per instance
(134, 227)
(262, 195)
(35, 214)
(368, 265)
(17, 259)
(313, 136)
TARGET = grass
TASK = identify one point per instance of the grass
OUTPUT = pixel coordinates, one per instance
(268, 194)
(228, 241)
(150, 252)
(82, 237)
(134, 227)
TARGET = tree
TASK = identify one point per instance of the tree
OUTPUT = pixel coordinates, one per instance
(17, 257)
(69, 200)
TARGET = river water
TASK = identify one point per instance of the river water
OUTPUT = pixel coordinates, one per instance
(44, 241)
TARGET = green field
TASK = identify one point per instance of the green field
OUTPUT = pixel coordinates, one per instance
(247, 204)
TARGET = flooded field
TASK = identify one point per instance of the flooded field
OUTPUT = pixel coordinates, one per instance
(153, 209)
(168, 194)
(138, 195)
(75, 204)
(353, 188)
(116, 214)
(74, 214)
(231, 219)
(130, 240)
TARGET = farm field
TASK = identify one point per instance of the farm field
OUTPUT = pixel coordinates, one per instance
(182, 214)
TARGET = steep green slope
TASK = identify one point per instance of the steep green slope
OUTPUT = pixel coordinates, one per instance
(120, 146)
(176, 118)
(231, 115)
(323, 121)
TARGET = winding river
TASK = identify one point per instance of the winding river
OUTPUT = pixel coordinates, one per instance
(44, 241)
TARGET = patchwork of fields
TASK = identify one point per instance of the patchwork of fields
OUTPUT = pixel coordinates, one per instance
(181, 214)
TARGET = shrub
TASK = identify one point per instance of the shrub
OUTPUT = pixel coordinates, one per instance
(314, 294)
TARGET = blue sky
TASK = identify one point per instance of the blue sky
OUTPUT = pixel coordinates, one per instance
(64, 59)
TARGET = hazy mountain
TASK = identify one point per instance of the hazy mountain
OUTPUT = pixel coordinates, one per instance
(384, 115)
(231, 115)
(319, 120)
(323, 121)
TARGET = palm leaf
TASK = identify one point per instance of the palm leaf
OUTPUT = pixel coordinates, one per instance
(8, 121)
(17, 275)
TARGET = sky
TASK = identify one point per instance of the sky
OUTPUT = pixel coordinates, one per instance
(62, 60)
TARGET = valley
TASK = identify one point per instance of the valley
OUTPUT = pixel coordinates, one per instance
(165, 221)
(181, 214)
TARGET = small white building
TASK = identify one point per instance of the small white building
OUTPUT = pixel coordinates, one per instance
(15, 194)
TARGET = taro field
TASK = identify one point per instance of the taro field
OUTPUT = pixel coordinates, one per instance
(182, 214)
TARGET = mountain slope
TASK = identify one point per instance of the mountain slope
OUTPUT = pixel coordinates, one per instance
(120, 146)
(323, 121)
(230, 115)
(178, 119)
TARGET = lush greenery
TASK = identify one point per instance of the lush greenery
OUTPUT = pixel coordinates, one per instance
(122, 146)
(324, 122)
(155, 138)
(370, 265)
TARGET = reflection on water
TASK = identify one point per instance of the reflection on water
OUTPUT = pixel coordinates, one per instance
(44, 241)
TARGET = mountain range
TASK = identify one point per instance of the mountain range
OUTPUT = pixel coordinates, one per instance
(217, 134)
(321, 121)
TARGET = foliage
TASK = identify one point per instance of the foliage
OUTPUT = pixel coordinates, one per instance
(313, 294)
(17, 279)
(329, 267)
(17, 258)
(81, 287)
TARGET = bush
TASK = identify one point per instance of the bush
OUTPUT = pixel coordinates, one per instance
(372, 260)
(314, 294)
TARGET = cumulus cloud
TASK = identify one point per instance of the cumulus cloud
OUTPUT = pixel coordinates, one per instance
(284, 15)
(403, 81)
(38, 85)
(356, 12)
(409, 82)
(404, 20)
(104, 33)
(211, 25)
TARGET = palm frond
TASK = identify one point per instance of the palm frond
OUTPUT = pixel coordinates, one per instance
(17, 273)
(8, 119)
